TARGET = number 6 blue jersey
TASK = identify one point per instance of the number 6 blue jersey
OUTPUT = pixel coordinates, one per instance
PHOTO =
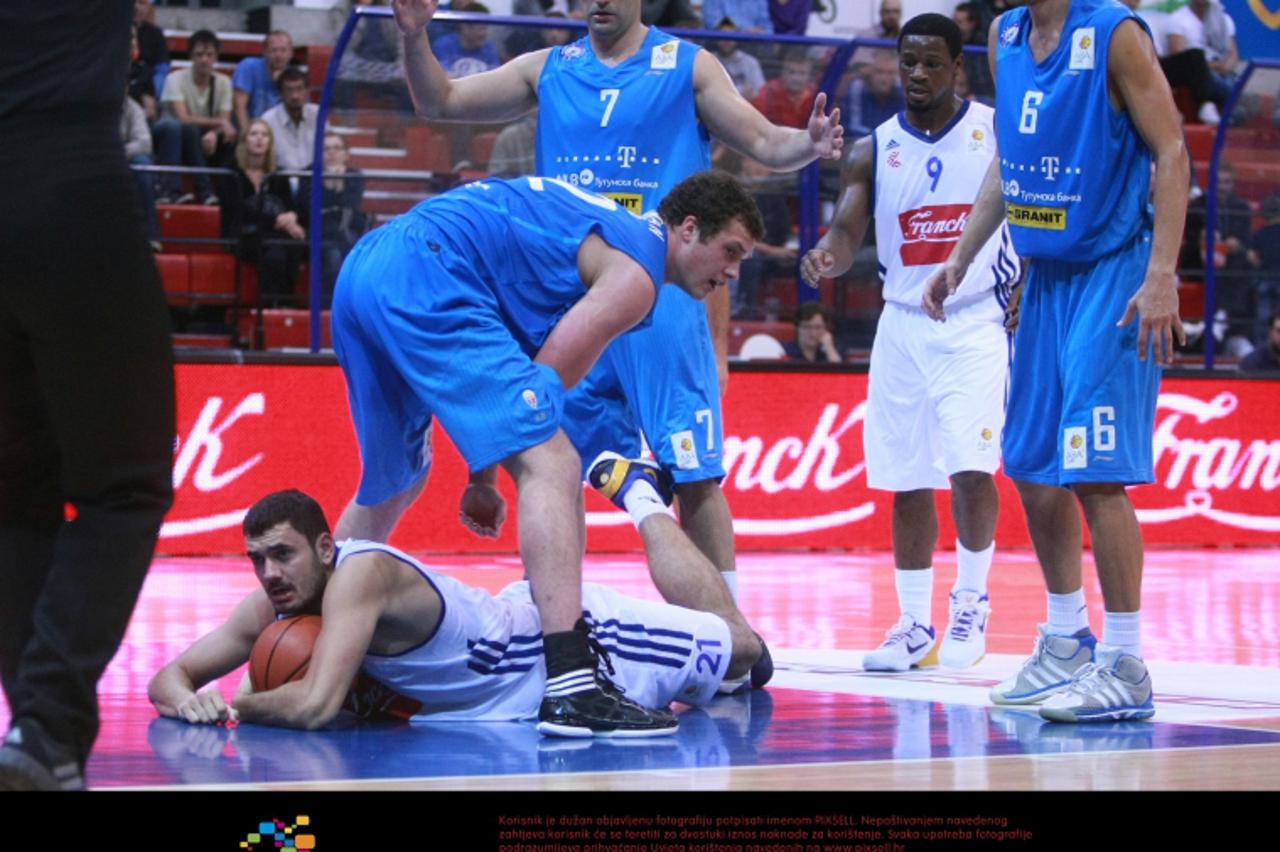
(1075, 172)
(626, 131)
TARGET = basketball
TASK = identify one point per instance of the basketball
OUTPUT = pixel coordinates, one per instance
(282, 651)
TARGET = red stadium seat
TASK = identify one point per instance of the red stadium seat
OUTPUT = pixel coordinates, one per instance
(199, 221)
(213, 280)
(175, 273)
(284, 328)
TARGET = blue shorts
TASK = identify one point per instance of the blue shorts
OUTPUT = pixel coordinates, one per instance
(417, 334)
(660, 380)
(1081, 405)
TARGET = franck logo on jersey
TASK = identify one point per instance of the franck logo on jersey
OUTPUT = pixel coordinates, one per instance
(894, 160)
(275, 835)
(929, 233)
(1008, 35)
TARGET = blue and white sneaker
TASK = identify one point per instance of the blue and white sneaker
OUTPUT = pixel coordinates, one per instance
(1116, 688)
(907, 645)
(1051, 668)
(613, 475)
(965, 642)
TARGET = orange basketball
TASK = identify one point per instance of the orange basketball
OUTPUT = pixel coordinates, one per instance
(283, 651)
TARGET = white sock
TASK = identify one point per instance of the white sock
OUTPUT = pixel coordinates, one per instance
(641, 501)
(731, 580)
(1068, 613)
(915, 594)
(972, 567)
(1122, 631)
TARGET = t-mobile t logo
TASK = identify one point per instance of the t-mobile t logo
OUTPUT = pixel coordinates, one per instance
(626, 155)
(1049, 165)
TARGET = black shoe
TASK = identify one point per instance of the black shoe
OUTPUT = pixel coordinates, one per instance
(601, 711)
(29, 760)
(762, 671)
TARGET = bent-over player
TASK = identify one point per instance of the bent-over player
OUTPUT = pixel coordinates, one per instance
(480, 307)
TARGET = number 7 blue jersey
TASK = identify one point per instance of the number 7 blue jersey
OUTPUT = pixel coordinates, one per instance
(630, 131)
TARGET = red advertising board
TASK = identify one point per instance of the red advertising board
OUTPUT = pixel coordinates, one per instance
(793, 452)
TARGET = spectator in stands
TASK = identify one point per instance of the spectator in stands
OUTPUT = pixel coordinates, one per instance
(969, 18)
(137, 149)
(749, 15)
(527, 39)
(142, 87)
(790, 17)
(788, 100)
(258, 210)
(744, 69)
(514, 150)
(438, 29)
(1187, 69)
(196, 128)
(467, 51)
(1264, 257)
(1266, 358)
(1232, 228)
(152, 47)
(874, 97)
(257, 79)
(890, 23)
(775, 253)
(668, 13)
(1203, 25)
(293, 122)
(342, 221)
(463, 53)
(814, 342)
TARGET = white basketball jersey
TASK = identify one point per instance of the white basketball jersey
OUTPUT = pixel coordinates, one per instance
(925, 187)
(484, 662)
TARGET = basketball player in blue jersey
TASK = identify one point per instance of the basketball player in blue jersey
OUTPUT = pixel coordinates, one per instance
(480, 307)
(417, 644)
(1081, 110)
(936, 401)
(628, 112)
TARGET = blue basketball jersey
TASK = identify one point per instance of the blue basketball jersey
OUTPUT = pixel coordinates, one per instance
(519, 240)
(631, 131)
(1075, 172)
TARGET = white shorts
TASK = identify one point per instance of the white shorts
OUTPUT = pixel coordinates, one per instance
(935, 406)
(660, 652)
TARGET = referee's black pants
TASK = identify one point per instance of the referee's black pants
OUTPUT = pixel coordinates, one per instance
(86, 417)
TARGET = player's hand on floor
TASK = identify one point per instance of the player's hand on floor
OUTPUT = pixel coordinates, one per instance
(483, 510)
(940, 285)
(413, 15)
(1156, 306)
(825, 130)
(205, 708)
(816, 265)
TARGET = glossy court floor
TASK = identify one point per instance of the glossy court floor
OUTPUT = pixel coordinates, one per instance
(1212, 640)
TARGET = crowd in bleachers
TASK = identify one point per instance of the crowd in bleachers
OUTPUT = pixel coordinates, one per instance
(193, 99)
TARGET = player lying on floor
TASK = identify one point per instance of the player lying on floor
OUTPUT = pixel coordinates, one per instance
(429, 645)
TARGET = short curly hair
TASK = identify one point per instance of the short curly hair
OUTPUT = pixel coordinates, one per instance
(301, 511)
(715, 199)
